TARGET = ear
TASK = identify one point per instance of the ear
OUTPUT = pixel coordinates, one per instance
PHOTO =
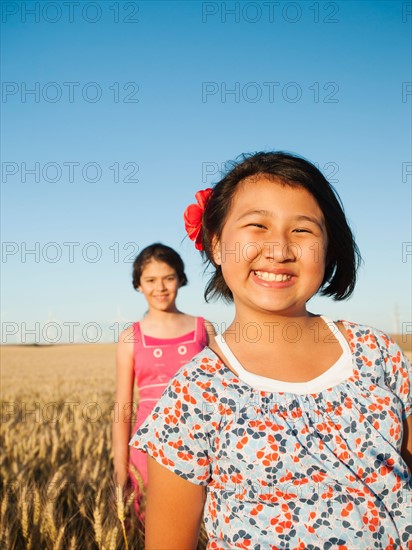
(216, 251)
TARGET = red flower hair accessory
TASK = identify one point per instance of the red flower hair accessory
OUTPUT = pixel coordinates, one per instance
(193, 217)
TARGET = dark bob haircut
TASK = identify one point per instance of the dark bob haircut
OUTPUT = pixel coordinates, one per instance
(342, 255)
(160, 253)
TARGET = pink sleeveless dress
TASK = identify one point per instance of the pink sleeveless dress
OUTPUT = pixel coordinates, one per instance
(156, 360)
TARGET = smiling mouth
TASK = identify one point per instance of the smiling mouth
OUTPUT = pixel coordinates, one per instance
(277, 277)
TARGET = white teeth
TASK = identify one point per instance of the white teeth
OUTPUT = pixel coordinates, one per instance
(278, 277)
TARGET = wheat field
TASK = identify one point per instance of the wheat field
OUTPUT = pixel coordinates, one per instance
(56, 481)
(57, 489)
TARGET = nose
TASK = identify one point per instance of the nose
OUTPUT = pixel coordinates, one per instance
(280, 250)
(160, 284)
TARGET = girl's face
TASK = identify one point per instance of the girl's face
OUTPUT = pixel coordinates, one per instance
(159, 283)
(273, 247)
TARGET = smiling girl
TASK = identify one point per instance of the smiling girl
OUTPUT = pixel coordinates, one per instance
(151, 351)
(294, 429)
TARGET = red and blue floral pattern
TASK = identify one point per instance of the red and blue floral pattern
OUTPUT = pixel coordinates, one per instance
(287, 471)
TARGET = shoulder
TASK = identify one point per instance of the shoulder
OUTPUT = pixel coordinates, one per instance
(203, 376)
(381, 361)
(210, 331)
(204, 365)
(194, 387)
(206, 377)
(205, 392)
(127, 338)
(377, 347)
(367, 336)
(188, 317)
(128, 333)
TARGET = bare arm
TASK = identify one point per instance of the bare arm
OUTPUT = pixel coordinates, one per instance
(123, 414)
(406, 450)
(173, 511)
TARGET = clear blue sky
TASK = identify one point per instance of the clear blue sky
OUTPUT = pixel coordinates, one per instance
(115, 113)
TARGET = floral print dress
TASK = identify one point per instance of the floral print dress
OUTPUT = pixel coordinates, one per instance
(314, 466)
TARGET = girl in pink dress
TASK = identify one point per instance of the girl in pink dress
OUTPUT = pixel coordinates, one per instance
(150, 352)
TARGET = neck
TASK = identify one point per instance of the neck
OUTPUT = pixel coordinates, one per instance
(163, 316)
(264, 327)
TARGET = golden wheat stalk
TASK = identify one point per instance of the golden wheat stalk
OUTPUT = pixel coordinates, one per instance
(36, 507)
(96, 470)
(49, 523)
(97, 523)
(73, 543)
(141, 493)
(6, 537)
(78, 448)
(138, 478)
(55, 447)
(57, 483)
(24, 514)
(81, 451)
(113, 539)
(3, 507)
(130, 500)
(84, 471)
(120, 512)
(58, 542)
(99, 450)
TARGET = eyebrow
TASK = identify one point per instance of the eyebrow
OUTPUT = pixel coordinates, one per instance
(298, 218)
(252, 212)
(159, 277)
(309, 219)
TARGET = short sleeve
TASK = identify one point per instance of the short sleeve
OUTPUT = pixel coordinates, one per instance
(398, 372)
(175, 435)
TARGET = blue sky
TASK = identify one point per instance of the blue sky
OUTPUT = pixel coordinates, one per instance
(115, 113)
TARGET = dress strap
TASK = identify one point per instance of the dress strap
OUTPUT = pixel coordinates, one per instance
(227, 352)
(333, 327)
(137, 336)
